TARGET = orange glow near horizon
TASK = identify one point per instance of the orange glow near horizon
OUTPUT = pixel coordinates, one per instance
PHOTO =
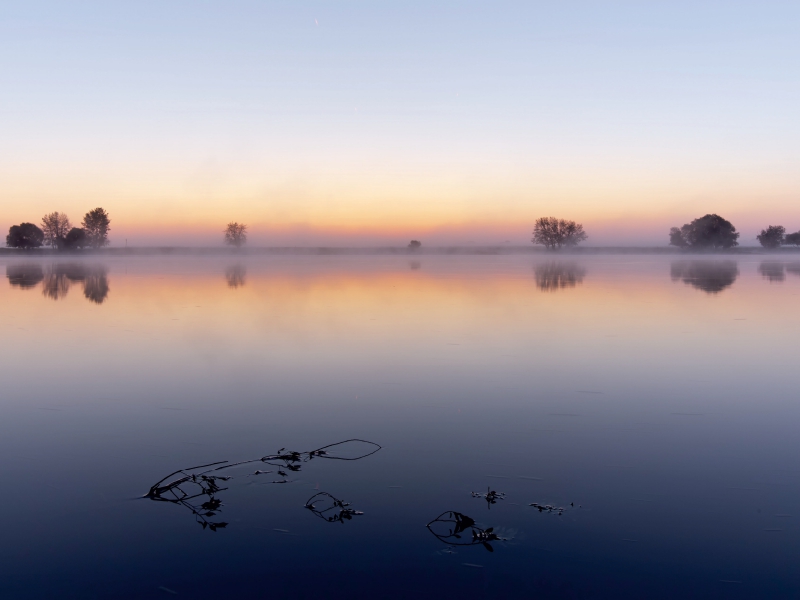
(453, 207)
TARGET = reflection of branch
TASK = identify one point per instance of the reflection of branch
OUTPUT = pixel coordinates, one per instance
(491, 496)
(184, 485)
(559, 510)
(456, 524)
(331, 504)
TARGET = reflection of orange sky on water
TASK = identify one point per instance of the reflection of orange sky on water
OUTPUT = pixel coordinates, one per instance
(392, 309)
(173, 328)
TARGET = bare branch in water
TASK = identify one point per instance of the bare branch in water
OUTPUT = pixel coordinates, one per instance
(449, 526)
(187, 487)
(331, 509)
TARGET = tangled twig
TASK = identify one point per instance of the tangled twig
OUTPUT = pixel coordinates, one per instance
(323, 503)
(184, 486)
(457, 524)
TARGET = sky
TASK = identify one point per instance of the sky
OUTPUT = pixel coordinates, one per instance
(365, 123)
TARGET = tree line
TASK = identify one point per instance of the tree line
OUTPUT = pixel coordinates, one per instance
(57, 232)
(712, 232)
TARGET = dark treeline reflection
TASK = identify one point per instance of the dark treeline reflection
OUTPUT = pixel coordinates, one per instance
(553, 276)
(775, 271)
(711, 276)
(58, 278)
(25, 276)
(235, 276)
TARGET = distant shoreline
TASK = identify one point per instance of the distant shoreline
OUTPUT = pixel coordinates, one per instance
(392, 251)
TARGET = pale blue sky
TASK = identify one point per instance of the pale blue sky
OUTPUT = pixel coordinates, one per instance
(589, 108)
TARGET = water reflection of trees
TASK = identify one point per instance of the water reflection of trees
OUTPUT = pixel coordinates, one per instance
(235, 276)
(555, 275)
(58, 278)
(772, 270)
(711, 276)
(776, 271)
(25, 276)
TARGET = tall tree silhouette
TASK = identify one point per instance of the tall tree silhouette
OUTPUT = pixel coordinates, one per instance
(55, 226)
(96, 224)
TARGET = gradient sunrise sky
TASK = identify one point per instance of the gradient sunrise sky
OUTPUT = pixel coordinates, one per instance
(359, 123)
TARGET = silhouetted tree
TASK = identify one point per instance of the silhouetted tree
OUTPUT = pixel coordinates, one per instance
(676, 238)
(710, 232)
(76, 239)
(24, 276)
(554, 276)
(554, 233)
(711, 276)
(236, 234)
(414, 245)
(792, 238)
(55, 226)
(96, 224)
(772, 236)
(771, 270)
(25, 236)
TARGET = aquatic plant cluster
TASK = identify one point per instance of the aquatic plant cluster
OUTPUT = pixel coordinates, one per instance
(196, 489)
(712, 232)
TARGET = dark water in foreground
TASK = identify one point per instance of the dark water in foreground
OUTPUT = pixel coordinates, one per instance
(659, 396)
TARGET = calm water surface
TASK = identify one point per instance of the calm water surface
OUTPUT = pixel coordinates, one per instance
(654, 399)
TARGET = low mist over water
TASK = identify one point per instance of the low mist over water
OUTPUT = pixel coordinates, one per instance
(463, 426)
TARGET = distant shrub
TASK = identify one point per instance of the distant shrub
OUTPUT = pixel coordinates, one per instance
(772, 236)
